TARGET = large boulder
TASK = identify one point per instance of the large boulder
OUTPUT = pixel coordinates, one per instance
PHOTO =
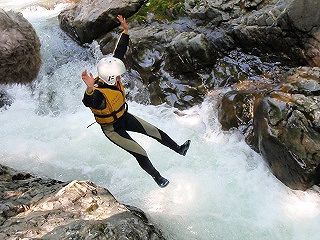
(34, 208)
(20, 58)
(289, 28)
(287, 129)
(19, 191)
(169, 61)
(190, 52)
(302, 18)
(282, 122)
(89, 19)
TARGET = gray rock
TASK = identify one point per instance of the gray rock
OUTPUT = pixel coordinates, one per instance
(33, 208)
(280, 121)
(303, 18)
(218, 11)
(189, 52)
(179, 61)
(5, 99)
(20, 58)
(166, 60)
(286, 126)
(237, 107)
(289, 28)
(89, 20)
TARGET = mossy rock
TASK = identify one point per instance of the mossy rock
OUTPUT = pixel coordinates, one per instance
(161, 10)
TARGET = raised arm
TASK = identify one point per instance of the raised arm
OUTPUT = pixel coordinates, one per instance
(123, 41)
(123, 23)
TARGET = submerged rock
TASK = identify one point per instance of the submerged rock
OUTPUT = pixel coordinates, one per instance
(32, 207)
(20, 58)
(88, 20)
(5, 99)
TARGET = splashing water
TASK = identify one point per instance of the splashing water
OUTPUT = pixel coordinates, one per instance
(220, 190)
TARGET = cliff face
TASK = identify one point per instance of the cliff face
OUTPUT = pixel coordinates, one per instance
(32, 207)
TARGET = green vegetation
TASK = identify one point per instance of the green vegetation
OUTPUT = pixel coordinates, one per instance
(162, 10)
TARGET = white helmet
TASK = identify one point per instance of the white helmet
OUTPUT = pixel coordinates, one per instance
(109, 68)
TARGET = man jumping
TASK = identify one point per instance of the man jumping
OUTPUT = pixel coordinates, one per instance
(105, 96)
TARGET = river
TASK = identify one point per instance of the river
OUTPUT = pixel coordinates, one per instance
(220, 190)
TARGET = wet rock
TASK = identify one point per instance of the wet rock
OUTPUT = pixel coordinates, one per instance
(287, 129)
(179, 67)
(237, 107)
(303, 19)
(280, 120)
(179, 62)
(206, 11)
(20, 58)
(280, 29)
(88, 20)
(217, 12)
(5, 99)
(43, 208)
(190, 52)
(168, 61)
(21, 176)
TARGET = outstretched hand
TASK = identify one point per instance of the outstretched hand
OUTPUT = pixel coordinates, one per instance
(88, 79)
(123, 23)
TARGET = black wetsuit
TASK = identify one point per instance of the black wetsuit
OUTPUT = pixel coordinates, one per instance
(117, 132)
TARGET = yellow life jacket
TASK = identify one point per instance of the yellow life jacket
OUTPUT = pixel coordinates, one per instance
(115, 104)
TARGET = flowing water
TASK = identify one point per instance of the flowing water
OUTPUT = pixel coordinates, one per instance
(220, 190)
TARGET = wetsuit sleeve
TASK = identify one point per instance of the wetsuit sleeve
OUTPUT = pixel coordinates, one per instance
(94, 100)
(122, 46)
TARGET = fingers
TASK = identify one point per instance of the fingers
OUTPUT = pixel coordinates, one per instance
(123, 23)
(86, 77)
(121, 19)
(84, 74)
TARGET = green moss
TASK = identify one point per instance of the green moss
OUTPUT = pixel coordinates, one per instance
(162, 10)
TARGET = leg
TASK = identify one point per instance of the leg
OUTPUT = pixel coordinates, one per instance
(139, 125)
(122, 139)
